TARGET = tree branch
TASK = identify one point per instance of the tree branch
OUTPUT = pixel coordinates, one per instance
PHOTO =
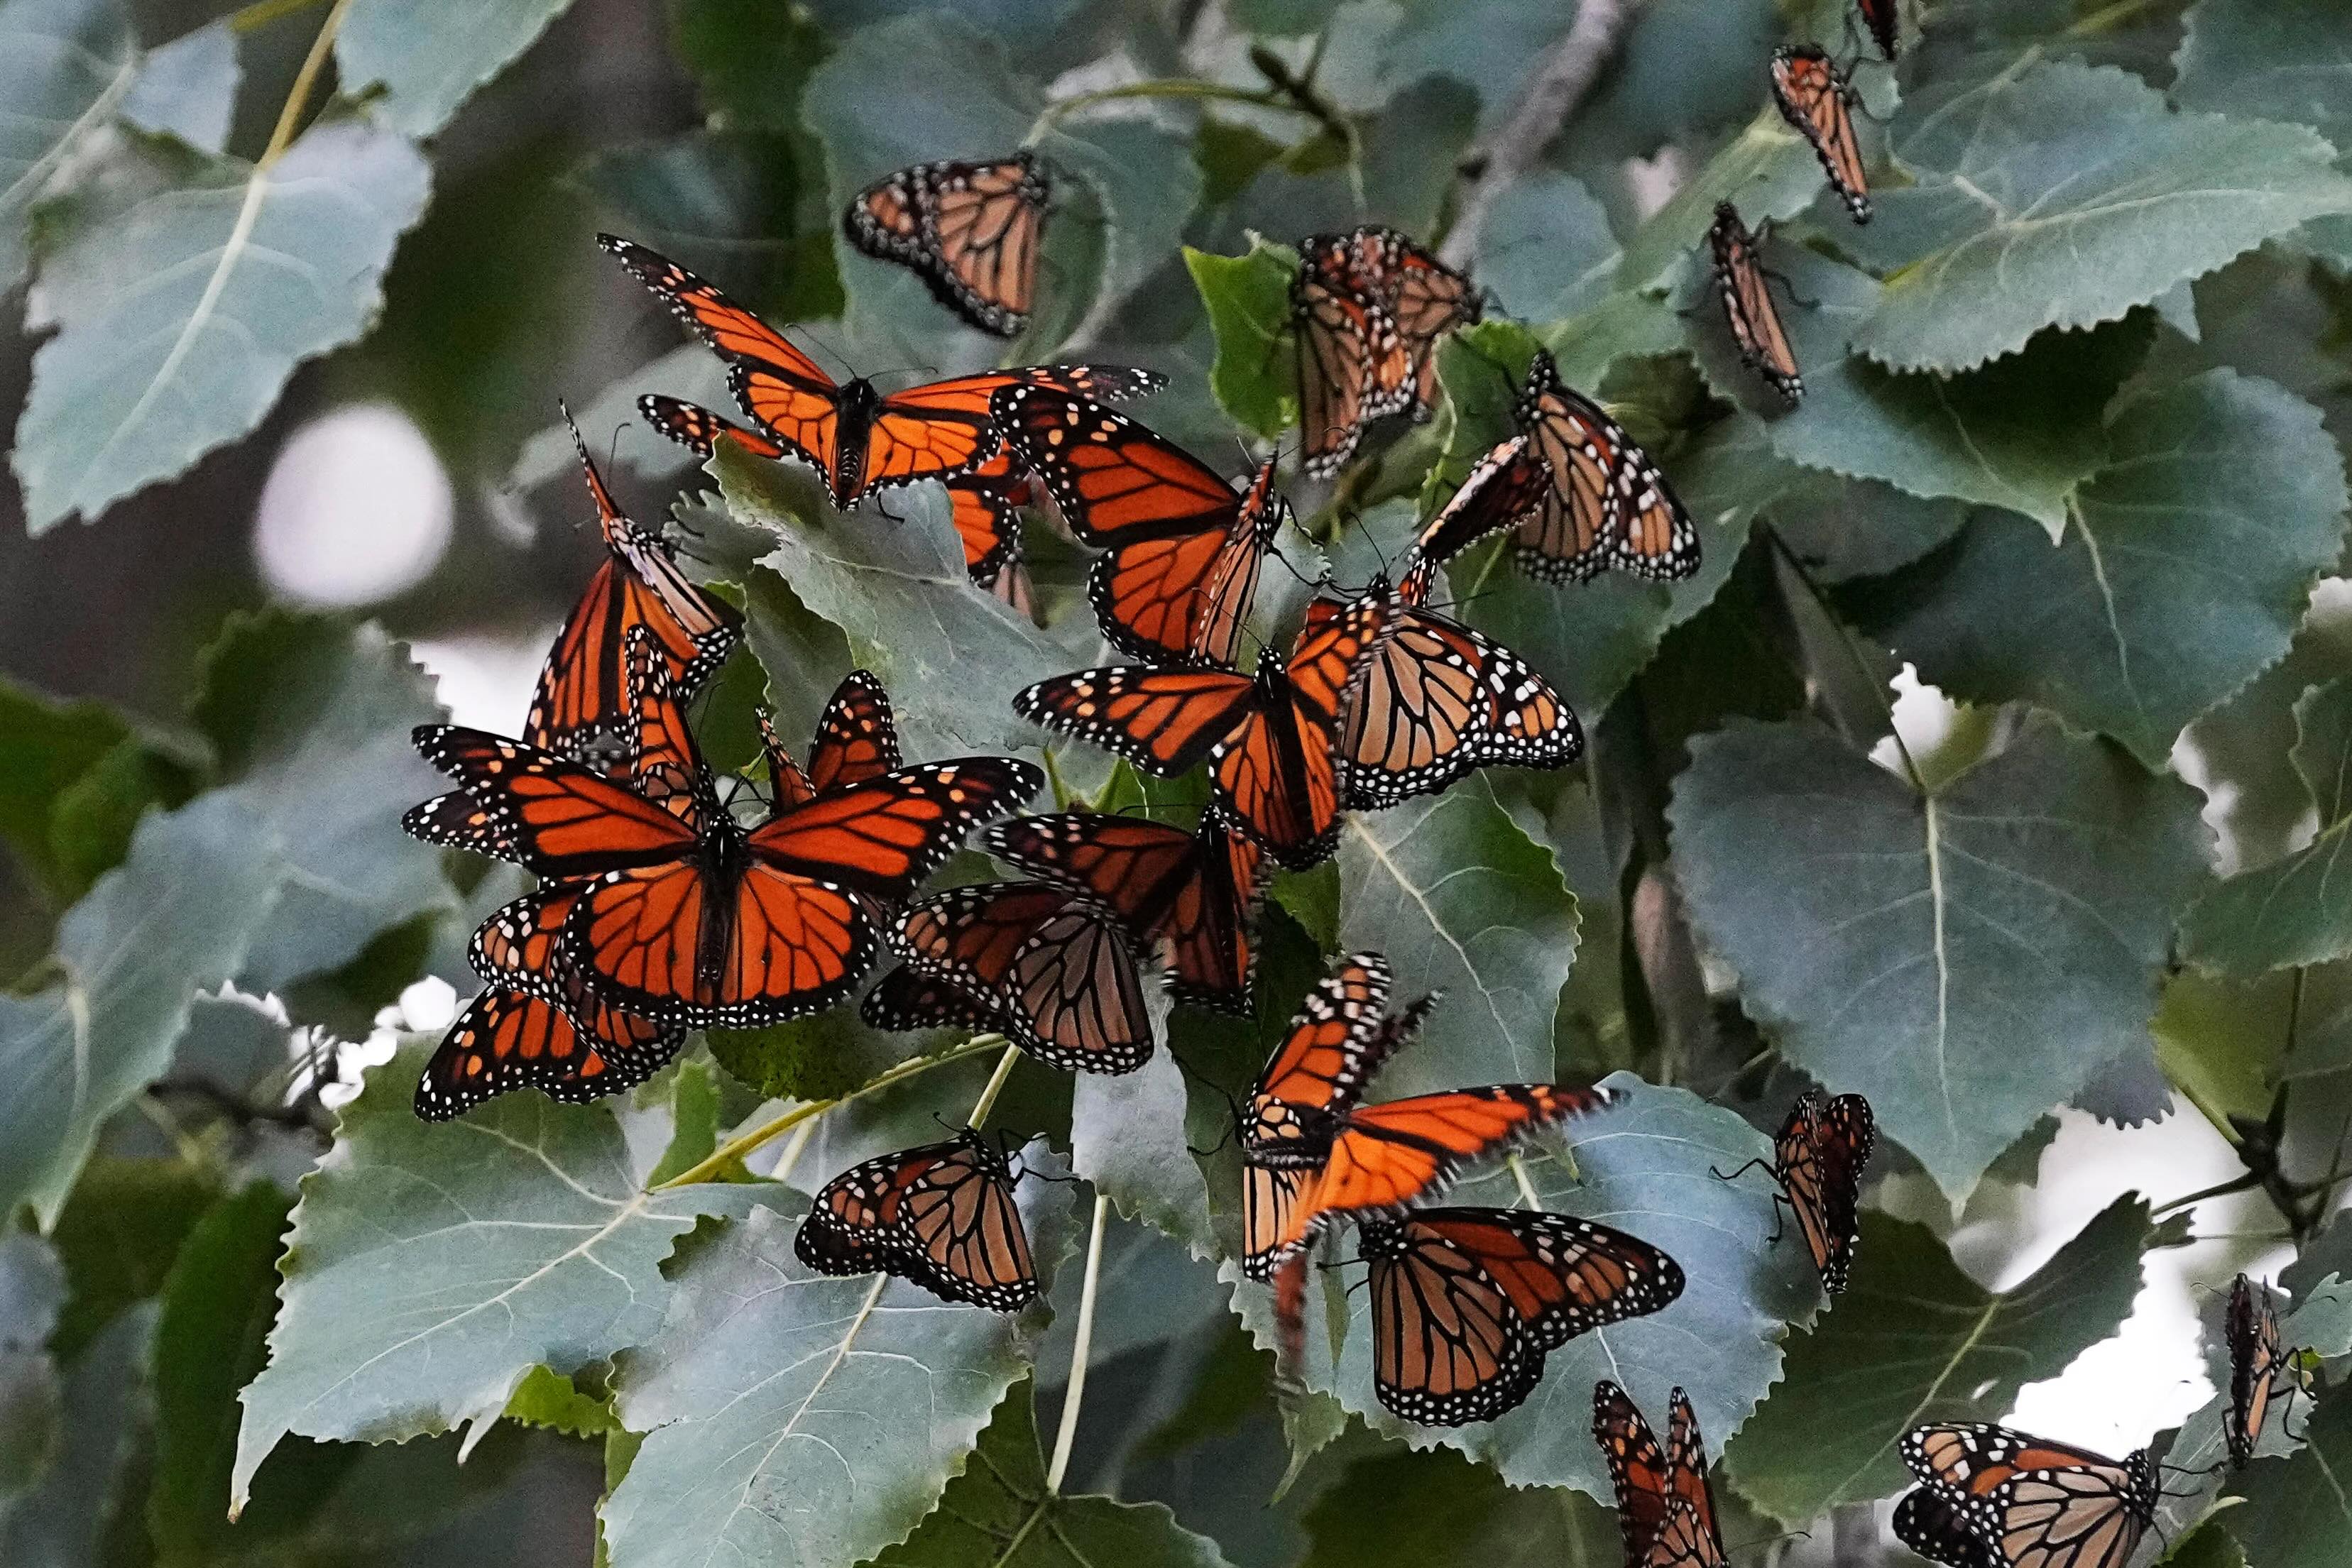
(1557, 85)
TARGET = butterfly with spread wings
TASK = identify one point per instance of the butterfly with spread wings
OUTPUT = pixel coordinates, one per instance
(1664, 1505)
(1049, 966)
(1269, 738)
(1745, 289)
(968, 230)
(859, 439)
(1818, 1160)
(984, 504)
(1183, 550)
(1609, 505)
(1313, 1155)
(1468, 1302)
(1815, 96)
(1190, 897)
(941, 1216)
(577, 708)
(1995, 1497)
(689, 918)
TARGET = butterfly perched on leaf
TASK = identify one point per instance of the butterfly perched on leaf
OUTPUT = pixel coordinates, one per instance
(2257, 1364)
(1049, 966)
(1368, 308)
(1666, 1507)
(968, 230)
(1313, 1154)
(941, 1216)
(576, 709)
(1818, 1159)
(1609, 505)
(984, 504)
(1743, 287)
(1183, 549)
(1815, 96)
(1885, 24)
(1994, 1498)
(1468, 1302)
(1190, 897)
(859, 439)
(1269, 738)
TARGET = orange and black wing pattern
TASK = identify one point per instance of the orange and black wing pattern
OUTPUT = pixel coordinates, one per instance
(1819, 1158)
(856, 737)
(941, 1216)
(1277, 769)
(1506, 482)
(1885, 25)
(561, 819)
(968, 230)
(1354, 366)
(882, 835)
(1429, 300)
(508, 1039)
(700, 431)
(1610, 504)
(1814, 97)
(1184, 597)
(1113, 479)
(1665, 1504)
(1166, 722)
(2256, 1362)
(1335, 1043)
(985, 507)
(1743, 287)
(1995, 1497)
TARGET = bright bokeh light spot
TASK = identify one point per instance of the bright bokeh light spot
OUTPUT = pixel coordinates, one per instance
(356, 510)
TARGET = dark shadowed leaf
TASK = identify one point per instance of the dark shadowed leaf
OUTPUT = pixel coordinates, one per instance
(32, 1292)
(118, 1236)
(2297, 910)
(428, 55)
(432, 1265)
(1914, 1339)
(2297, 1511)
(83, 1492)
(186, 288)
(1127, 1137)
(1901, 947)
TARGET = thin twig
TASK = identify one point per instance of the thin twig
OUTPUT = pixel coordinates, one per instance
(1555, 88)
(1067, 1436)
(297, 98)
(987, 1101)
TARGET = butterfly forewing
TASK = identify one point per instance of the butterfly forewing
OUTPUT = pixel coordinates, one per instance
(1813, 95)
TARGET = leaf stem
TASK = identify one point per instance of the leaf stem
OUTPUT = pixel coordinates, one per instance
(987, 1101)
(737, 1148)
(261, 12)
(1526, 1187)
(297, 98)
(1067, 1436)
(1853, 651)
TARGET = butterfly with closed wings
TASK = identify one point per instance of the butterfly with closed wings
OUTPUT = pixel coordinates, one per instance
(1743, 287)
(1815, 96)
(1666, 1507)
(1609, 505)
(968, 230)
(1818, 1159)
(1995, 1497)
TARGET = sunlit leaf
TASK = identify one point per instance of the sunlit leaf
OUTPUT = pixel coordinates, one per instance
(1248, 299)
(187, 88)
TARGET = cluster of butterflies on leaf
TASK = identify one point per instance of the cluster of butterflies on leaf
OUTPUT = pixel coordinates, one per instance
(661, 909)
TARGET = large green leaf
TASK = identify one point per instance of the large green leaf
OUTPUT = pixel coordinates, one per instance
(1439, 1507)
(2298, 1512)
(1461, 900)
(428, 55)
(1644, 1166)
(432, 1265)
(1545, 248)
(187, 88)
(64, 65)
(2280, 60)
(2061, 194)
(998, 1514)
(2189, 558)
(186, 288)
(287, 871)
(1127, 1137)
(32, 1294)
(2294, 911)
(1902, 948)
(800, 1419)
(1914, 1339)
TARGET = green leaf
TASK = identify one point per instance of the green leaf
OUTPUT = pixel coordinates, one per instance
(1545, 248)
(432, 1265)
(951, 656)
(32, 1294)
(118, 1235)
(428, 55)
(2191, 555)
(689, 371)
(73, 782)
(2291, 912)
(999, 1513)
(736, 207)
(2282, 60)
(694, 1122)
(1127, 1137)
(1255, 376)
(2297, 1510)
(1914, 1339)
(750, 58)
(550, 1399)
(2059, 195)
(1642, 1165)
(64, 66)
(187, 88)
(2220, 1042)
(2259, 805)
(815, 1058)
(859, 1399)
(1767, 172)
(186, 290)
(1461, 900)
(1897, 947)
(1438, 1507)
(81, 1495)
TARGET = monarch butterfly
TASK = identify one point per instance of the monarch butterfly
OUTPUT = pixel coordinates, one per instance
(1818, 1159)
(859, 439)
(1881, 18)
(1506, 482)
(1816, 98)
(984, 504)
(1431, 300)
(1436, 700)
(1466, 1302)
(1996, 1498)
(1184, 550)
(856, 739)
(1744, 287)
(1052, 968)
(1354, 366)
(940, 1215)
(576, 709)
(1269, 738)
(969, 231)
(691, 919)
(2257, 1364)
(506, 1040)
(1664, 1505)
(1191, 895)
(1609, 505)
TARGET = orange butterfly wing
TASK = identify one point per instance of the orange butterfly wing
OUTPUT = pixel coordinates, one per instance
(1813, 96)
(562, 820)
(856, 737)
(508, 1039)
(968, 230)
(1748, 308)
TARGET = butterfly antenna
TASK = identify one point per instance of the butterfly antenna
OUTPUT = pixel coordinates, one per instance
(1756, 1163)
